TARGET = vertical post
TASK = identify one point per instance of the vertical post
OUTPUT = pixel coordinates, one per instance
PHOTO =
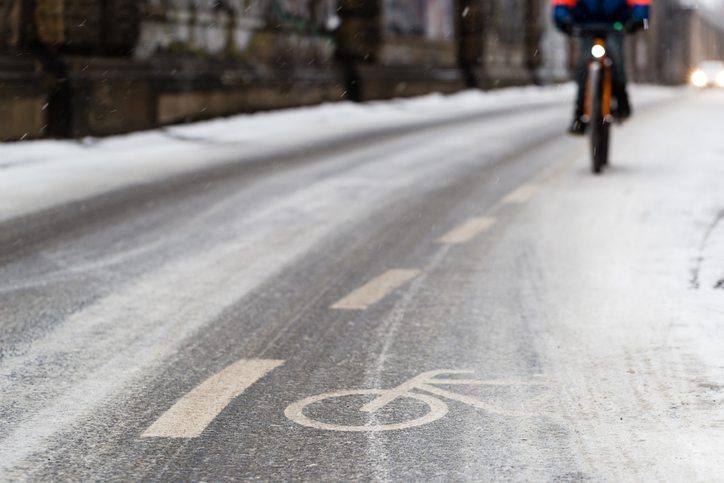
(533, 34)
(27, 38)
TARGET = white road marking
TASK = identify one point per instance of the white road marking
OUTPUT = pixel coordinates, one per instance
(295, 412)
(375, 290)
(521, 194)
(194, 412)
(467, 230)
(437, 409)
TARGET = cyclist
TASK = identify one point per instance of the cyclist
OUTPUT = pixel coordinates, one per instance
(628, 15)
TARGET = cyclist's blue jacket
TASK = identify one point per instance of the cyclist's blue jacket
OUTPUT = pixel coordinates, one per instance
(599, 11)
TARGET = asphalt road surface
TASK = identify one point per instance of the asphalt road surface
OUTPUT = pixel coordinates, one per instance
(454, 302)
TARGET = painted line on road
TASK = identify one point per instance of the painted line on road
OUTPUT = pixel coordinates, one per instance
(521, 194)
(467, 230)
(195, 411)
(375, 290)
(426, 382)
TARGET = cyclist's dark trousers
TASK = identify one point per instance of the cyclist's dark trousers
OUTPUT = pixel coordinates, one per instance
(614, 50)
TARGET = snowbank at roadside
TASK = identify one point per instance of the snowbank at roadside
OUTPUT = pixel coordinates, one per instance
(36, 175)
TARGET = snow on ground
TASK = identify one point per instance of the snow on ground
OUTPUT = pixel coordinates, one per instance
(37, 175)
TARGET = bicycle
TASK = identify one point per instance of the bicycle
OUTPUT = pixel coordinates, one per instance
(424, 382)
(597, 105)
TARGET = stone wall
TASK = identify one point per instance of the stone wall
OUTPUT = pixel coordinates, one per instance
(706, 39)
(398, 48)
(24, 85)
(24, 95)
(500, 41)
(278, 33)
(210, 58)
(655, 55)
(99, 67)
(72, 68)
(554, 62)
(677, 40)
(10, 25)
(107, 27)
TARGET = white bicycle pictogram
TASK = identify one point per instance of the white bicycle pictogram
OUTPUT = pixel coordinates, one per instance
(423, 382)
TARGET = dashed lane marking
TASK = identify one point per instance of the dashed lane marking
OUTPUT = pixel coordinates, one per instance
(194, 412)
(375, 290)
(467, 231)
(521, 194)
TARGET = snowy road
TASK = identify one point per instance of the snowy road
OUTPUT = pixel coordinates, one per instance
(432, 290)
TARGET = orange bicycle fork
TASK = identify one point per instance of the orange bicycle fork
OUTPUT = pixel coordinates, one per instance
(603, 63)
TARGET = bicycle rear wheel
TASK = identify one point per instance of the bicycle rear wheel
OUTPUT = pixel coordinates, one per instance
(295, 411)
(600, 128)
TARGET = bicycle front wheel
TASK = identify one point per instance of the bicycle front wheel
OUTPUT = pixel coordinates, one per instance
(599, 126)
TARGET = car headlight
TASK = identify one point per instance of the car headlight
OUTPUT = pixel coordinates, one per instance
(699, 79)
(720, 79)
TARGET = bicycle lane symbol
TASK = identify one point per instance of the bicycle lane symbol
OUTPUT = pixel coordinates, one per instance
(423, 382)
